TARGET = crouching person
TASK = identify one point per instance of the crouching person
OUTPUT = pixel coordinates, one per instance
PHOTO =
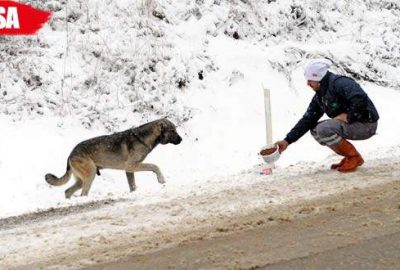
(353, 115)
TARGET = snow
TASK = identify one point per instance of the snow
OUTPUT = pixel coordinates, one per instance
(147, 223)
(96, 78)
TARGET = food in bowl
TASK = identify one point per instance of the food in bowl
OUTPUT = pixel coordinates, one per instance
(268, 151)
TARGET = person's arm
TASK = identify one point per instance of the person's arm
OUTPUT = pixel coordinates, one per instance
(283, 144)
(308, 121)
(357, 99)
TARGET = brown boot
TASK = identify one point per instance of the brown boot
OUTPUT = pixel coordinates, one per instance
(334, 166)
(352, 158)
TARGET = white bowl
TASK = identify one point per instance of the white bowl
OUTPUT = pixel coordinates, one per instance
(271, 158)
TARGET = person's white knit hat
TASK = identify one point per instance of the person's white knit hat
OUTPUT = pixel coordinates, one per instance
(316, 69)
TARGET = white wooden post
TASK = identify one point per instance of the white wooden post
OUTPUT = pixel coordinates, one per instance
(268, 128)
(268, 121)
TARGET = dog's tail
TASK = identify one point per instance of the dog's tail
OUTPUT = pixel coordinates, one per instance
(55, 181)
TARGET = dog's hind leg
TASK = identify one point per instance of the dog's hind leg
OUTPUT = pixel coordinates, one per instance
(84, 169)
(88, 183)
(140, 167)
(131, 181)
(70, 191)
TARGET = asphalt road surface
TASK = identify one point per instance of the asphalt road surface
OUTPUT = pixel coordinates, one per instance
(360, 230)
(354, 223)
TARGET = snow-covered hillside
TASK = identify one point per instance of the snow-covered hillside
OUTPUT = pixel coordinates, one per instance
(103, 66)
(104, 61)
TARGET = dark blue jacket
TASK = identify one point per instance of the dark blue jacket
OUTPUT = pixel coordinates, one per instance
(337, 95)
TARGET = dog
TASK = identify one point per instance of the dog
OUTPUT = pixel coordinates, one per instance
(122, 151)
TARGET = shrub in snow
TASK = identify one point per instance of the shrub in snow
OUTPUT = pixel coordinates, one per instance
(131, 63)
(95, 67)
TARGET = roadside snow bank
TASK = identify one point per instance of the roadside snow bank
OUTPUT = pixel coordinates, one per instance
(136, 226)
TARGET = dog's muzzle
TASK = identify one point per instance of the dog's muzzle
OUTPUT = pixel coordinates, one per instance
(177, 140)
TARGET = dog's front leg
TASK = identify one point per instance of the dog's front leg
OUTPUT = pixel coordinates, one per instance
(131, 181)
(140, 167)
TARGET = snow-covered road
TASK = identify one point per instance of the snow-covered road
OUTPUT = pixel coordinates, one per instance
(64, 239)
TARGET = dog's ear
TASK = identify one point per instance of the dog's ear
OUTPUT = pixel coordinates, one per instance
(163, 128)
(163, 132)
(164, 123)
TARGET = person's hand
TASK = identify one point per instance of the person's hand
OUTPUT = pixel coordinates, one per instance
(282, 145)
(342, 117)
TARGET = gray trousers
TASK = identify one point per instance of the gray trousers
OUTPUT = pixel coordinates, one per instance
(331, 132)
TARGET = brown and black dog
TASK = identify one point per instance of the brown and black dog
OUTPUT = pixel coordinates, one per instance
(122, 151)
